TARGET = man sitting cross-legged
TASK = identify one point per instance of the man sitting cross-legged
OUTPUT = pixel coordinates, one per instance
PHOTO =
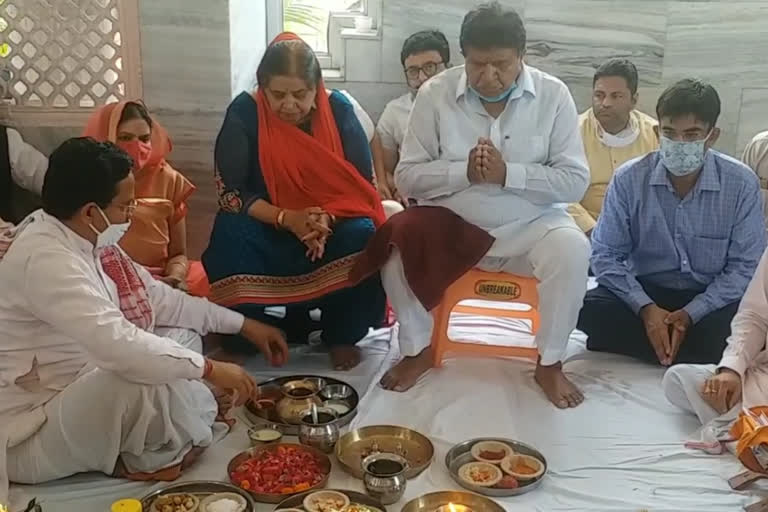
(100, 364)
(679, 237)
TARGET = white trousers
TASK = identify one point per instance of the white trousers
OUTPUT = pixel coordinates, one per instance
(682, 385)
(101, 417)
(559, 260)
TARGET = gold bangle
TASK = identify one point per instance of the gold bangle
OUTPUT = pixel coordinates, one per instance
(280, 218)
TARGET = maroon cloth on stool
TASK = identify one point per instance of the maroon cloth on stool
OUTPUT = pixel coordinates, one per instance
(436, 245)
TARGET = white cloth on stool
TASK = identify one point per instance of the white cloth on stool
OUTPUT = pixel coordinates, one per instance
(559, 260)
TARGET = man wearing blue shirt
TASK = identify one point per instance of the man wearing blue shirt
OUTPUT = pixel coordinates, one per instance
(678, 240)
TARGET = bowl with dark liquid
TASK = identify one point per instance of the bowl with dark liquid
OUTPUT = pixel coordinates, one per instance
(298, 396)
(384, 476)
(319, 430)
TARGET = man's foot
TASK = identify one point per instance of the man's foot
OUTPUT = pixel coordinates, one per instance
(557, 387)
(345, 357)
(405, 374)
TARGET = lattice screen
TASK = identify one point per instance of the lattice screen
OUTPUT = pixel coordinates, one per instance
(61, 53)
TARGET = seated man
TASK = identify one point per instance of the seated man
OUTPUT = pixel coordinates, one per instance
(497, 142)
(678, 240)
(613, 132)
(21, 166)
(756, 157)
(709, 391)
(424, 55)
(100, 363)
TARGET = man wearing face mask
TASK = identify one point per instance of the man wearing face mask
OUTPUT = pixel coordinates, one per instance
(679, 238)
(496, 143)
(613, 133)
(424, 55)
(100, 364)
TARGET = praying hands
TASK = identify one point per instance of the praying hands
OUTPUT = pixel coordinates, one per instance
(666, 331)
(486, 164)
(312, 226)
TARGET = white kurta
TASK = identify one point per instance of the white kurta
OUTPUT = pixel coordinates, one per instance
(746, 354)
(59, 321)
(28, 166)
(538, 136)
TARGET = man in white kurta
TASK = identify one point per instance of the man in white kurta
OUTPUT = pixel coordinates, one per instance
(709, 391)
(82, 387)
(498, 142)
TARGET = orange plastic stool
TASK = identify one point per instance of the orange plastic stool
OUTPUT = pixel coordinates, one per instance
(487, 286)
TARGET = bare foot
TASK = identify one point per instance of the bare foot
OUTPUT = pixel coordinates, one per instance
(406, 373)
(345, 357)
(557, 387)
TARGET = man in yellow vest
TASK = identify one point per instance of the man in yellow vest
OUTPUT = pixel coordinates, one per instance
(613, 133)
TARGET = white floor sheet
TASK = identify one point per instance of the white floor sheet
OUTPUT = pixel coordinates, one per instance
(622, 450)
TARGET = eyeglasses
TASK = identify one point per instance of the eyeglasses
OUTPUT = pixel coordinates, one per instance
(430, 69)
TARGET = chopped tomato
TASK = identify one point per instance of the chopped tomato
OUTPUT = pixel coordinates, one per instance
(283, 470)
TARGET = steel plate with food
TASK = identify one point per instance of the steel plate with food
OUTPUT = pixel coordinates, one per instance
(452, 501)
(358, 444)
(274, 472)
(352, 501)
(510, 467)
(198, 497)
(283, 400)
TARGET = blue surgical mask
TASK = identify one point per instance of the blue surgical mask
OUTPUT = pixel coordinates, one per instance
(682, 158)
(496, 99)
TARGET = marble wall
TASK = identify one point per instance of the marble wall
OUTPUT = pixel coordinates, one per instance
(723, 41)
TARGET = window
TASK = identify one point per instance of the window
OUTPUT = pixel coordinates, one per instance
(68, 54)
(310, 19)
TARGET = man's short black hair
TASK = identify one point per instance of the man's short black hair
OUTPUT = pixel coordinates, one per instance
(618, 67)
(690, 96)
(81, 171)
(492, 26)
(425, 41)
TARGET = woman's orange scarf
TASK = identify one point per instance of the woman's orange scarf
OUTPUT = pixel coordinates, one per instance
(302, 170)
(102, 126)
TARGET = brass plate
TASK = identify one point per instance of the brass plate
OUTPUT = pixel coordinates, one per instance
(200, 489)
(354, 446)
(354, 497)
(432, 501)
(325, 466)
(271, 389)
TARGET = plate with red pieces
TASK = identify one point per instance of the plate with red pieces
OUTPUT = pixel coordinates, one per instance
(275, 472)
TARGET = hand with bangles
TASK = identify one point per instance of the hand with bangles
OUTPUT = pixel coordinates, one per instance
(312, 226)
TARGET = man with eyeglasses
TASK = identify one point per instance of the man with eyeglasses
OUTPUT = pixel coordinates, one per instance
(677, 242)
(424, 55)
(497, 142)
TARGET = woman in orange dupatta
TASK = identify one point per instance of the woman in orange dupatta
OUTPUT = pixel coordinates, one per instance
(157, 237)
(297, 204)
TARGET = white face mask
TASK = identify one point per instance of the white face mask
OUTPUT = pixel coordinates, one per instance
(112, 234)
(682, 158)
(619, 141)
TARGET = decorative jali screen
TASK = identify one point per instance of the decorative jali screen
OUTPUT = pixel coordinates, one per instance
(67, 54)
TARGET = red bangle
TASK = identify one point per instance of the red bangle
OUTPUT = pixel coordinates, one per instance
(208, 368)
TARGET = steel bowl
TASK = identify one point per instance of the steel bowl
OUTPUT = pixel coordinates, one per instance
(336, 392)
(270, 389)
(325, 466)
(201, 489)
(354, 497)
(358, 444)
(461, 454)
(433, 501)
